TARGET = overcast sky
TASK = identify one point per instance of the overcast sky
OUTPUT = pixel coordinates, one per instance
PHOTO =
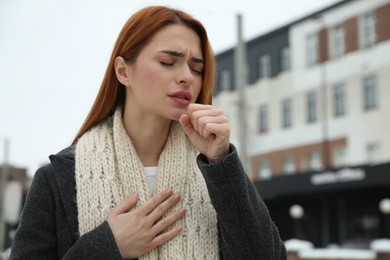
(53, 54)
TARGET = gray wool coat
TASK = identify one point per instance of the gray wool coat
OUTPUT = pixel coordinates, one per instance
(48, 226)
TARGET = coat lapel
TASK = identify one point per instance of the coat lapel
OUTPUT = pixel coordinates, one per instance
(64, 166)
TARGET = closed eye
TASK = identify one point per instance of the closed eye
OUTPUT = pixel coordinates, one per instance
(198, 72)
(166, 63)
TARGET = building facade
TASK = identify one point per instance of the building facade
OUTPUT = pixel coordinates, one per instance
(317, 115)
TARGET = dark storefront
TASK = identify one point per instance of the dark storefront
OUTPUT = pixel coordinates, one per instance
(340, 205)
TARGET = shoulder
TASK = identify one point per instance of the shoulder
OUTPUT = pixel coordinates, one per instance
(59, 170)
(68, 152)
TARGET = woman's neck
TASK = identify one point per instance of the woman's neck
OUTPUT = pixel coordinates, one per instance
(148, 135)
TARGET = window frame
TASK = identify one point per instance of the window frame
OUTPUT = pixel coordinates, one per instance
(285, 58)
(264, 66)
(226, 80)
(312, 47)
(337, 41)
(314, 161)
(263, 118)
(311, 107)
(289, 161)
(287, 113)
(339, 100)
(265, 175)
(370, 92)
(367, 30)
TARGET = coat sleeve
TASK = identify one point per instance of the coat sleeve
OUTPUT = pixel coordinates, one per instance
(245, 226)
(40, 234)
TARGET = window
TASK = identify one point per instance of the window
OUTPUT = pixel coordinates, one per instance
(265, 66)
(265, 170)
(339, 100)
(314, 161)
(312, 49)
(311, 107)
(367, 30)
(288, 165)
(339, 156)
(285, 59)
(337, 41)
(370, 92)
(263, 127)
(373, 153)
(286, 113)
(225, 80)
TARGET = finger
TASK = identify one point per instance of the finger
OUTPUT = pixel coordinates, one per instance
(210, 111)
(164, 237)
(155, 201)
(168, 221)
(193, 112)
(196, 107)
(206, 123)
(125, 205)
(197, 116)
(219, 130)
(162, 208)
(184, 121)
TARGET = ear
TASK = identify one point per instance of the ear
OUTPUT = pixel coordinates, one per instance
(122, 71)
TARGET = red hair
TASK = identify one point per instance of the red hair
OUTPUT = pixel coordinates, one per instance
(134, 36)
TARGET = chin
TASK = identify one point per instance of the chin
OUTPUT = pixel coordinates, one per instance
(175, 115)
(176, 118)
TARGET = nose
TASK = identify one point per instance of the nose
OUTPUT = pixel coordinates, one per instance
(186, 76)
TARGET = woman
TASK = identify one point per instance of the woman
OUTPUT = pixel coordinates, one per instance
(151, 173)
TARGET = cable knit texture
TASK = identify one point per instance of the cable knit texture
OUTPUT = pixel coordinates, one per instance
(108, 170)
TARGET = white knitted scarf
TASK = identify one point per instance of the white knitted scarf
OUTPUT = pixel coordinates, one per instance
(108, 170)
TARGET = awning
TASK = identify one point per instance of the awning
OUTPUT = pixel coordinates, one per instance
(353, 177)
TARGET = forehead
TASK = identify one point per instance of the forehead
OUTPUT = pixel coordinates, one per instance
(176, 37)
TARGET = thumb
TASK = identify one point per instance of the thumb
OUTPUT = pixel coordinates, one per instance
(125, 205)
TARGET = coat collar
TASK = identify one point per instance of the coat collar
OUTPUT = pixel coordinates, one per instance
(64, 168)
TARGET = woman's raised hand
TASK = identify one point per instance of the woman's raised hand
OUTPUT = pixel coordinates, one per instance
(208, 130)
(138, 231)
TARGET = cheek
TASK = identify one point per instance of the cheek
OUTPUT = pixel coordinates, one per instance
(147, 74)
(144, 82)
(197, 89)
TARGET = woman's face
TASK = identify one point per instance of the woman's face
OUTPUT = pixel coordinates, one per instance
(167, 75)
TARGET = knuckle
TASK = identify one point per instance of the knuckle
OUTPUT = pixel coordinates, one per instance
(144, 225)
(202, 121)
(195, 115)
(154, 201)
(148, 246)
(164, 224)
(218, 110)
(160, 208)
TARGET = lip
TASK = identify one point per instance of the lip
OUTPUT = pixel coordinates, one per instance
(181, 97)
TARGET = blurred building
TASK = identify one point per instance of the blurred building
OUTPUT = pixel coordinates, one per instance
(14, 191)
(317, 111)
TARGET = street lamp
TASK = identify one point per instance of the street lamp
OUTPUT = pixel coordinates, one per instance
(296, 213)
(384, 207)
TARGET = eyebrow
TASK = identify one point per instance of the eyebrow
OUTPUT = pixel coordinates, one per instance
(181, 55)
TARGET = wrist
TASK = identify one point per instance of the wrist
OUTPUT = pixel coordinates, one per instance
(218, 157)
